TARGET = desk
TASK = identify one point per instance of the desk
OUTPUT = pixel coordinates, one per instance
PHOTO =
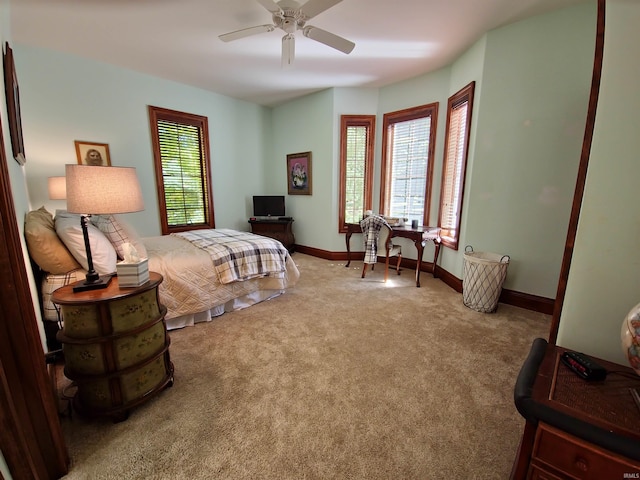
(575, 429)
(420, 237)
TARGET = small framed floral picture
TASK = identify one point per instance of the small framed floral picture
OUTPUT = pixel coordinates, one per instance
(91, 153)
(299, 173)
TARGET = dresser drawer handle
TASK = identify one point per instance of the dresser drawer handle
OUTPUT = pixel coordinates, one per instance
(581, 464)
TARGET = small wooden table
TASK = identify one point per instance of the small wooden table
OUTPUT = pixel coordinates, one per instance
(420, 237)
(575, 429)
(115, 345)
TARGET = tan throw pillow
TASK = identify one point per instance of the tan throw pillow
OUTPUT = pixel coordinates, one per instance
(45, 247)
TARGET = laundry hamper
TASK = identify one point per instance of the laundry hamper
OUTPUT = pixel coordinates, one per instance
(483, 276)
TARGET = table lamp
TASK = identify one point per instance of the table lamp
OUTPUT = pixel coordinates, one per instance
(101, 191)
(57, 187)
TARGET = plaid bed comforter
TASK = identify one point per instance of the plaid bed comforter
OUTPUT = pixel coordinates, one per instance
(238, 255)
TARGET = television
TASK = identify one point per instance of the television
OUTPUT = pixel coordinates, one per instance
(268, 206)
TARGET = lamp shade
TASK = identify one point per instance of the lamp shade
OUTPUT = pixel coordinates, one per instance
(102, 190)
(57, 187)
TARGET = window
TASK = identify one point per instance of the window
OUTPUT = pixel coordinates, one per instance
(356, 167)
(456, 150)
(407, 150)
(181, 159)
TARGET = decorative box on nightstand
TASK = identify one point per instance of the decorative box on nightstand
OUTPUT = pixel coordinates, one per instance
(133, 274)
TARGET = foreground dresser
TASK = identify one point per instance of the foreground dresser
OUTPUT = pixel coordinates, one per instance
(115, 345)
(576, 429)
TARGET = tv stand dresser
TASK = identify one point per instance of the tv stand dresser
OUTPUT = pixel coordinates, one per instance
(575, 429)
(280, 228)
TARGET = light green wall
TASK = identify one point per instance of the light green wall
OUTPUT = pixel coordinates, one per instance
(604, 280)
(532, 83)
(530, 126)
(306, 125)
(66, 98)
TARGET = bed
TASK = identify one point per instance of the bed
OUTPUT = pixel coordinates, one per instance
(206, 272)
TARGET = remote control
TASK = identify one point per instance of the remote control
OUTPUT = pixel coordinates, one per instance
(584, 366)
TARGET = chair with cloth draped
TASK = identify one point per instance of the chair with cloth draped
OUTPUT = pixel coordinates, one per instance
(376, 233)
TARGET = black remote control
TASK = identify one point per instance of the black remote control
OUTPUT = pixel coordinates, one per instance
(584, 366)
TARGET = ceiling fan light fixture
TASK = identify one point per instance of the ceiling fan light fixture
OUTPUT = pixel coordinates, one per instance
(288, 50)
(289, 16)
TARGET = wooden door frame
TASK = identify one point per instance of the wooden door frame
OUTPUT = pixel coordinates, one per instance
(30, 433)
(582, 174)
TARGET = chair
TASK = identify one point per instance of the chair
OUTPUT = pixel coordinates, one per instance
(376, 234)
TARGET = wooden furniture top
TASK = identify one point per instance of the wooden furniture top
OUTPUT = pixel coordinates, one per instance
(66, 296)
(601, 412)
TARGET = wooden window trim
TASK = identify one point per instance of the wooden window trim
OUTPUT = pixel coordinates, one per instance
(368, 121)
(407, 114)
(158, 113)
(464, 95)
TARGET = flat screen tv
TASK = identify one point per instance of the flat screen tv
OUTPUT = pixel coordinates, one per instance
(268, 206)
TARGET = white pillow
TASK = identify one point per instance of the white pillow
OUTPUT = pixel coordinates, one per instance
(69, 230)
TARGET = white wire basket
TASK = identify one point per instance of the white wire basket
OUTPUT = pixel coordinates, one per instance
(482, 279)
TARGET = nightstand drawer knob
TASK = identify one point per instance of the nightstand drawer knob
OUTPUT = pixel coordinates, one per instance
(581, 464)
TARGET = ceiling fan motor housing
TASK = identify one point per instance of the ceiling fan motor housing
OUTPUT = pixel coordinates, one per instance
(289, 20)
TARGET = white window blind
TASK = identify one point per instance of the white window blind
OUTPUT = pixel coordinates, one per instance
(182, 173)
(409, 160)
(454, 161)
(454, 164)
(355, 166)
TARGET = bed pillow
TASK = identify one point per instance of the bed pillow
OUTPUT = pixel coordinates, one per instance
(132, 236)
(45, 247)
(69, 230)
(114, 232)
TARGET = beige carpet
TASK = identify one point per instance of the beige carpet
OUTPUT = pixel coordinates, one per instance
(340, 378)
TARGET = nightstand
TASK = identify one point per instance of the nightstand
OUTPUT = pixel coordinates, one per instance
(115, 345)
(575, 429)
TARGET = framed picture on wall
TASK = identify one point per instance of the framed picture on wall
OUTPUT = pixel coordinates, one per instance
(13, 105)
(92, 153)
(299, 173)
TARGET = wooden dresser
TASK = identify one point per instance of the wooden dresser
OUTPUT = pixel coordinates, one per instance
(281, 230)
(576, 429)
(115, 345)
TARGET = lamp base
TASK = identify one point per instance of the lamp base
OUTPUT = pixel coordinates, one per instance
(101, 282)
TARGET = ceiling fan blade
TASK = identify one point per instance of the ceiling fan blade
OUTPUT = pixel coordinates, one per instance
(328, 38)
(271, 6)
(316, 7)
(246, 32)
(288, 50)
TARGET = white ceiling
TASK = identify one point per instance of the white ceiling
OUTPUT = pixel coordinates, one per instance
(178, 39)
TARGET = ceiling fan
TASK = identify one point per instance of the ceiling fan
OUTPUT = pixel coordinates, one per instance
(289, 16)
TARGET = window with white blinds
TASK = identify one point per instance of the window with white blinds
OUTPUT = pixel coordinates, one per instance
(181, 157)
(356, 167)
(454, 164)
(407, 162)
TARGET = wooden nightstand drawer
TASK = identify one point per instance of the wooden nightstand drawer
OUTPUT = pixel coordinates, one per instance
(556, 450)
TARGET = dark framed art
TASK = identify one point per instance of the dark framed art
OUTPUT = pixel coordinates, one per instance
(299, 173)
(92, 153)
(13, 105)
